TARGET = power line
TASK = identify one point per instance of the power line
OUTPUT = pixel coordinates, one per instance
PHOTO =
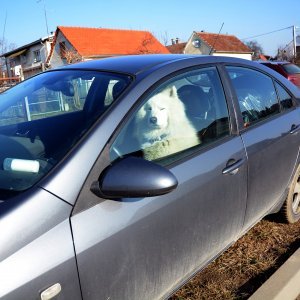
(255, 36)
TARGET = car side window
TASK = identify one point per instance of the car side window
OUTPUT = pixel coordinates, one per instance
(255, 92)
(284, 97)
(179, 116)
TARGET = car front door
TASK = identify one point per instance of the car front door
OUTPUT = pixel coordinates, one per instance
(270, 121)
(144, 248)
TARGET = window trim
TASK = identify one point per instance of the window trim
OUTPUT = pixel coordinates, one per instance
(292, 97)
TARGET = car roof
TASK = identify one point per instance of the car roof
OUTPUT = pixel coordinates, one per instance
(135, 64)
(131, 64)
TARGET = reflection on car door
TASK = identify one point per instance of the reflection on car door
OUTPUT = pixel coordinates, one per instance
(271, 147)
(144, 248)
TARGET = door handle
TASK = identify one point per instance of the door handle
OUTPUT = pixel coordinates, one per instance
(294, 129)
(233, 166)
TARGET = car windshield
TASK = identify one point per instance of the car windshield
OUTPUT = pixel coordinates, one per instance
(43, 117)
(291, 68)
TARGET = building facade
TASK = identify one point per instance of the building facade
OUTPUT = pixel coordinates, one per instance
(29, 59)
(203, 43)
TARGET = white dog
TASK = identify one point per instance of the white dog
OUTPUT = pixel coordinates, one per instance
(162, 127)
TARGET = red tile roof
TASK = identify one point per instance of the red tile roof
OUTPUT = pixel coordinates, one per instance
(100, 41)
(176, 48)
(224, 42)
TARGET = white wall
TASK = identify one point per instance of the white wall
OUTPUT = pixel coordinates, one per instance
(56, 60)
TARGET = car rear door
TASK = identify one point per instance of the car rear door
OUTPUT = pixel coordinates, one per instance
(144, 248)
(270, 124)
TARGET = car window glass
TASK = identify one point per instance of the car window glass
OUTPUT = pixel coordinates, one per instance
(255, 92)
(179, 116)
(42, 118)
(291, 68)
(53, 99)
(284, 97)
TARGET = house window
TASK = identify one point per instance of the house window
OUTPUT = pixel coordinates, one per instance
(62, 49)
(23, 58)
(37, 55)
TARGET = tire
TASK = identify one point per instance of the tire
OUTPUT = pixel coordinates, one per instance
(290, 210)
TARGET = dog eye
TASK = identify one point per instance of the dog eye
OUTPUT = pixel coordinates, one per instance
(149, 108)
(163, 108)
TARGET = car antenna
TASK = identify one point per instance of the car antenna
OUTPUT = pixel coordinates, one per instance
(212, 48)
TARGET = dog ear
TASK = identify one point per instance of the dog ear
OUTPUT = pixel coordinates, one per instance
(173, 91)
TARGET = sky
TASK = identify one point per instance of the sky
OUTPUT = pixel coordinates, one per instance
(24, 21)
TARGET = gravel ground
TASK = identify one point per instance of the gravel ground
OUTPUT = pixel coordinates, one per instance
(246, 265)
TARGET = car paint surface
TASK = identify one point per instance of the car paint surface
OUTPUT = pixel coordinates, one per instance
(144, 248)
(36, 247)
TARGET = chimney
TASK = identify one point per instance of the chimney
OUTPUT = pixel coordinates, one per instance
(177, 40)
(172, 41)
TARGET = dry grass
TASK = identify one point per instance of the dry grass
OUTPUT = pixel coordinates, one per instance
(246, 265)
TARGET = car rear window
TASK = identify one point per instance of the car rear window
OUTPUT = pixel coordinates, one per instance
(291, 68)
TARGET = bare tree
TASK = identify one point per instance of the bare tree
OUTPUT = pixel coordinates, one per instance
(5, 47)
(256, 48)
(70, 55)
(164, 37)
(285, 53)
(146, 45)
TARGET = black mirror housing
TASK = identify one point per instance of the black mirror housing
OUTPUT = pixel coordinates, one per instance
(133, 177)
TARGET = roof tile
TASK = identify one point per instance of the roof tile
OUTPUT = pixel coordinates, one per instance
(176, 48)
(101, 41)
(224, 42)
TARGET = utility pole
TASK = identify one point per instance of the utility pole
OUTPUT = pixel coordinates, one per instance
(294, 42)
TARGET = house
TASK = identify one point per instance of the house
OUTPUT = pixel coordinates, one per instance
(73, 44)
(29, 59)
(217, 45)
(297, 60)
(213, 44)
(176, 47)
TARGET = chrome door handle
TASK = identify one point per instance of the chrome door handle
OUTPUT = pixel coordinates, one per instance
(233, 168)
(294, 129)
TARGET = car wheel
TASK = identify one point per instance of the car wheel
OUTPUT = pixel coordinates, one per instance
(291, 207)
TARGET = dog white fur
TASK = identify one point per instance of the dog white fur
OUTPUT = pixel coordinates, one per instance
(162, 127)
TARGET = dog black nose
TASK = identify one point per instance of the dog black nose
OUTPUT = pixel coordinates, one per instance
(153, 120)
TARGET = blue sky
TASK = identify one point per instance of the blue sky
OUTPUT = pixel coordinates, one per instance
(25, 20)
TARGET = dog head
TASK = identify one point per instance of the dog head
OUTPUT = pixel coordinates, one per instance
(156, 112)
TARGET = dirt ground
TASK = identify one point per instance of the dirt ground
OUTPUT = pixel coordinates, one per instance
(246, 265)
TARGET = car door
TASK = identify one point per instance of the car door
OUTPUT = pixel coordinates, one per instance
(270, 134)
(144, 248)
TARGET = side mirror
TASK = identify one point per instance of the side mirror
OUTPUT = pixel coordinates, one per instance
(133, 177)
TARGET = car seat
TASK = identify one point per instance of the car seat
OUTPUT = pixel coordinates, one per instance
(197, 105)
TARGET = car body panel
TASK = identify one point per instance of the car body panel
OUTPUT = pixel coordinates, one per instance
(269, 176)
(59, 231)
(36, 247)
(86, 154)
(141, 248)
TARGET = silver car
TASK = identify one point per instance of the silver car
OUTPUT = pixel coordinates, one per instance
(102, 198)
